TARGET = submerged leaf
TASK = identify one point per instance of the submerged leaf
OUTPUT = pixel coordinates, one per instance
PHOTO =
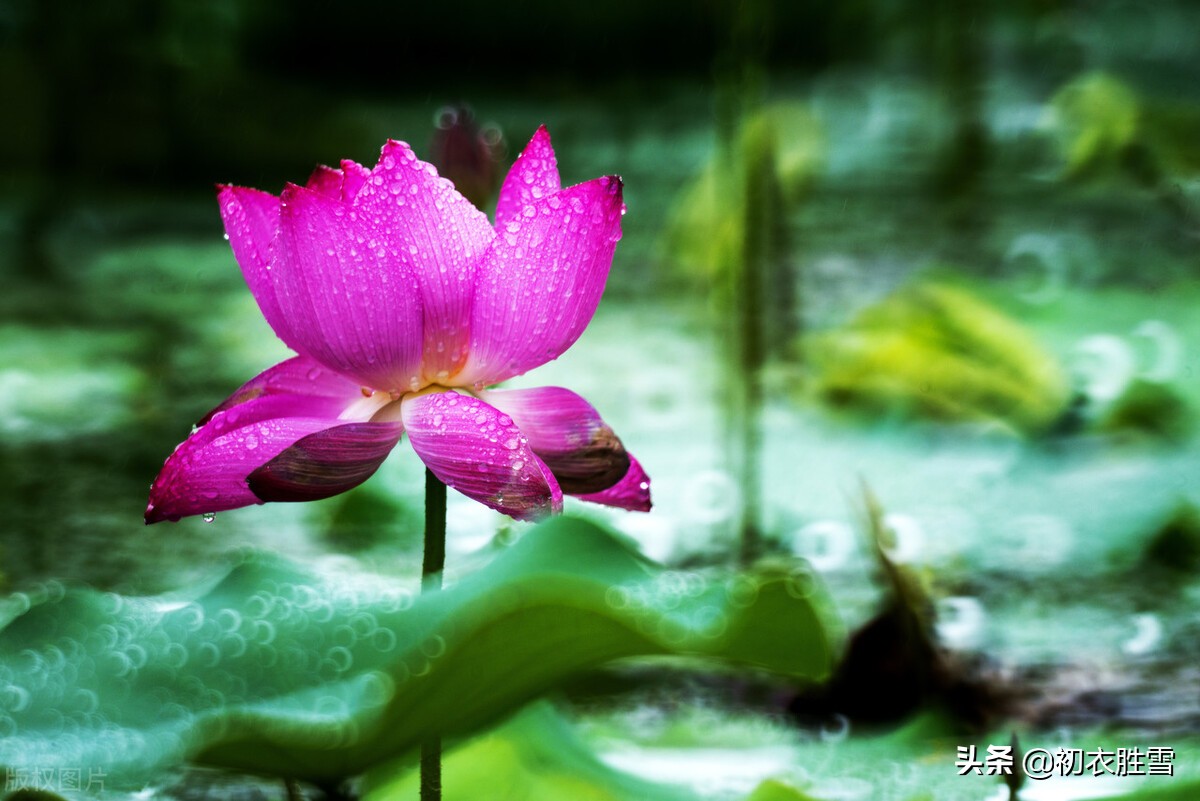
(279, 670)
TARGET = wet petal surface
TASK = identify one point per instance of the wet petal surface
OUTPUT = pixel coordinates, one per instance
(533, 176)
(438, 237)
(478, 450)
(252, 222)
(542, 280)
(208, 471)
(567, 434)
(354, 306)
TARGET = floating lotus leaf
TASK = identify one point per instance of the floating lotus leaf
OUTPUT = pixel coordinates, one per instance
(936, 351)
(280, 670)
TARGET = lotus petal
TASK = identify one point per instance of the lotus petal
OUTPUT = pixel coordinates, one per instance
(632, 492)
(354, 307)
(252, 223)
(478, 450)
(540, 284)
(326, 463)
(267, 415)
(326, 180)
(438, 237)
(533, 176)
(567, 434)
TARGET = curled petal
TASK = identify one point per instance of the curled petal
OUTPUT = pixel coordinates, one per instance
(478, 450)
(302, 385)
(533, 176)
(567, 434)
(352, 303)
(208, 473)
(540, 283)
(252, 222)
(268, 414)
(632, 492)
(326, 463)
(439, 236)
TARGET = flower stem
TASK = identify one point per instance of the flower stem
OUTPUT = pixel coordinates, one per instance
(435, 533)
(433, 562)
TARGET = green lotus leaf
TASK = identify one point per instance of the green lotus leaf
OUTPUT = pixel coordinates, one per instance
(537, 755)
(534, 756)
(278, 669)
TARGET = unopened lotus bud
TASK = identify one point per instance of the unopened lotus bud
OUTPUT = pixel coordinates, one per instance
(467, 153)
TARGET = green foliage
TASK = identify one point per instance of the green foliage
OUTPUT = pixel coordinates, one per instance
(368, 517)
(936, 351)
(1176, 545)
(775, 790)
(1149, 408)
(278, 670)
(28, 794)
(1096, 117)
(707, 228)
(535, 756)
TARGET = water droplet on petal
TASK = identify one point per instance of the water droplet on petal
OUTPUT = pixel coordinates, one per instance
(208, 517)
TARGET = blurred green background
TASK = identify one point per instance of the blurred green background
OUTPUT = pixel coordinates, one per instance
(946, 250)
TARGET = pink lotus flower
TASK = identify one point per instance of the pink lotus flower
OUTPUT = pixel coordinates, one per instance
(403, 304)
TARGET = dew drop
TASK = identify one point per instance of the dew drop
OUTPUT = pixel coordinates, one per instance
(208, 517)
